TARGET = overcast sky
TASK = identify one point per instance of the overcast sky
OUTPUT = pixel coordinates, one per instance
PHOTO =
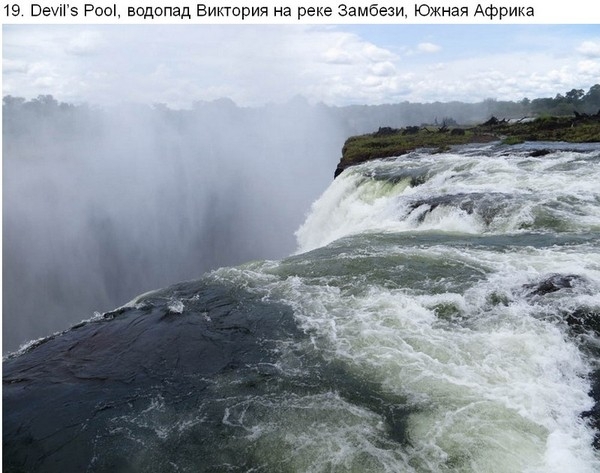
(258, 64)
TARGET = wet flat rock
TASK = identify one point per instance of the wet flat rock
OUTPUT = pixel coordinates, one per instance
(61, 396)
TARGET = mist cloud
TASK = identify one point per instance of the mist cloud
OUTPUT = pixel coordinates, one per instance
(103, 204)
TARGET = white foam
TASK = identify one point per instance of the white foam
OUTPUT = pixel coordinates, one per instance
(560, 189)
(494, 379)
(499, 387)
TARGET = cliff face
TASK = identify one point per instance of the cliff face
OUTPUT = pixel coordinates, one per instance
(387, 142)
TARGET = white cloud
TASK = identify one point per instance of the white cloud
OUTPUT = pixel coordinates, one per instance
(337, 56)
(428, 48)
(254, 65)
(590, 69)
(385, 68)
(84, 43)
(11, 66)
(589, 48)
(440, 66)
(42, 75)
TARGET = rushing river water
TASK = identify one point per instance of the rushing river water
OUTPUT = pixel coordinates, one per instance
(441, 314)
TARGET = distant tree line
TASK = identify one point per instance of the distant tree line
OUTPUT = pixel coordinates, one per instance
(367, 118)
(21, 114)
(575, 100)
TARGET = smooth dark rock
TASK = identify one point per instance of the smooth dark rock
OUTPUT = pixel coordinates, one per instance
(339, 169)
(61, 397)
(553, 283)
(539, 152)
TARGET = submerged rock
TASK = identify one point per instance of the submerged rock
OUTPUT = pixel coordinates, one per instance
(553, 283)
(593, 415)
(582, 322)
(539, 152)
(585, 318)
(486, 206)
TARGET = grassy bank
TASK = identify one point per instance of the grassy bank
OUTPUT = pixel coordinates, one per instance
(388, 142)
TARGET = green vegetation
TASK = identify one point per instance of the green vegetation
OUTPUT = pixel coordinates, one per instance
(398, 141)
(386, 142)
(577, 129)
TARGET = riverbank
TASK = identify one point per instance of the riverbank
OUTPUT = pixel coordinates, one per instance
(387, 142)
